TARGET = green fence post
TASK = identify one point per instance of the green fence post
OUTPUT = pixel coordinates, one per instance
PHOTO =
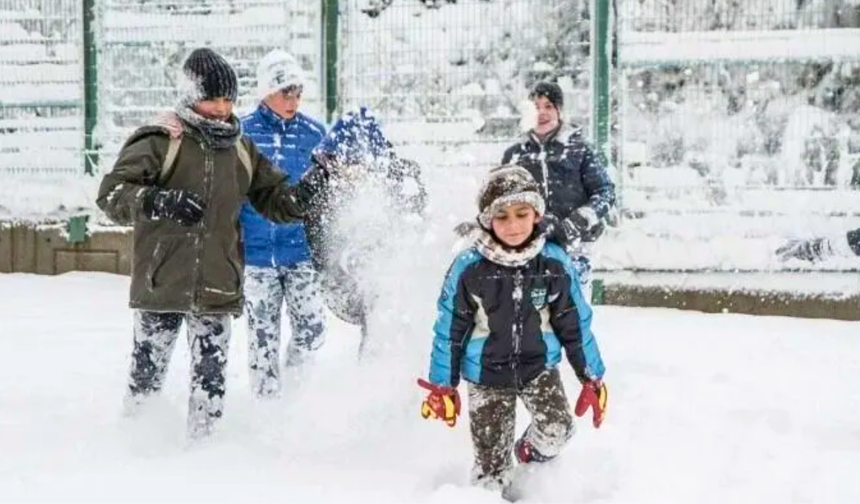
(330, 18)
(78, 225)
(601, 54)
(90, 86)
(598, 291)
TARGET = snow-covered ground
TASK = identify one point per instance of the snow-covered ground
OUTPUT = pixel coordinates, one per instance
(703, 408)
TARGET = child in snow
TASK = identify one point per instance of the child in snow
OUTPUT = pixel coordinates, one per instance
(181, 183)
(371, 190)
(818, 249)
(508, 307)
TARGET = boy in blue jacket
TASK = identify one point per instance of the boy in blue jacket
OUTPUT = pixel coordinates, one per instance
(279, 268)
(366, 172)
(509, 306)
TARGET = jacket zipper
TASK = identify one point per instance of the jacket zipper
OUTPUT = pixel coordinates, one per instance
(272, 241)
(198, 243)
(544, 172)
(518, 324)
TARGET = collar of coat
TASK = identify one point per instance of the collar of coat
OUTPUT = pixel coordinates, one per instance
(493, 251)
(272, 117)
(562, 135)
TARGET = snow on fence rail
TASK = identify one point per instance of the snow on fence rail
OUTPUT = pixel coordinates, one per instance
(648, 48)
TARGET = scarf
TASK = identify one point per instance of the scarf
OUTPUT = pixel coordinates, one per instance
(493, 250)
(218, 134)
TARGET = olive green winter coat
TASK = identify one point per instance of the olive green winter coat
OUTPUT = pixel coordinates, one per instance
(196, 269)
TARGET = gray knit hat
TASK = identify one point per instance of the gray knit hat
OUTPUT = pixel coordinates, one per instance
(211, 75)
(505, 186)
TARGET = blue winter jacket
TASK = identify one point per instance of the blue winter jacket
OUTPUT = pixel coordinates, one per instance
(489, 335)
(288, 145)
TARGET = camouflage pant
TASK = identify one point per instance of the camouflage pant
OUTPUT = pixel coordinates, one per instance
(492, 415)
(266, 289)
(155, 334)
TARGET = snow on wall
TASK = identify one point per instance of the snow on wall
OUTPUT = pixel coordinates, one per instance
(644, 48)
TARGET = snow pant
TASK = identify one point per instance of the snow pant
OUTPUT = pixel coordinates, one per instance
(492, 415)
(155, 334)
(583, 268)
(266, 289)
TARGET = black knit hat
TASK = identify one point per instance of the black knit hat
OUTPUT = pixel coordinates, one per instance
(505, 186)
(211, 75)
(549, 90)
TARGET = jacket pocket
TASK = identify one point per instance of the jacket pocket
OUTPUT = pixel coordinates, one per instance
(222, 277)
(175, 250)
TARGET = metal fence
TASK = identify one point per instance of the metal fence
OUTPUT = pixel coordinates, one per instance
(737, 122)
(458, 74)
(142, 44)
(41, 82)
(739, 125)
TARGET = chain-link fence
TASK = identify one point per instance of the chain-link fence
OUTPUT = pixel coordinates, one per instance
(41, 107)
(121, 70)
(739, 126)
(458, 75)
(143, 44)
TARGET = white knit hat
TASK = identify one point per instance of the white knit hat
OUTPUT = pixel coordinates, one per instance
(278, 70)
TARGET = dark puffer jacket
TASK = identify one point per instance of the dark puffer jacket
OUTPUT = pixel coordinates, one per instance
(567, 169)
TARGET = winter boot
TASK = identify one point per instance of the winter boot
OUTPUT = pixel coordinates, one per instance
(527, 453)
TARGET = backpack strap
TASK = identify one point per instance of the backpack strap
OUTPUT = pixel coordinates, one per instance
(169, 159)
(173, 151)
(245, 158)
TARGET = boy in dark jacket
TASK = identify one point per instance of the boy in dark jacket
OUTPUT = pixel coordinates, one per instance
(574, 183)
(181, 184)
(508, 307)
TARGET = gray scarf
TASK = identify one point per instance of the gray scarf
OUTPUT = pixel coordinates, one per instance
(217, 133)
(494, 251)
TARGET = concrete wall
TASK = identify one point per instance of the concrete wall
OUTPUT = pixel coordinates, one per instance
(44, 250)
(731, 301)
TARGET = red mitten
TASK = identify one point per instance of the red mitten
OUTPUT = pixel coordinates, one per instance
(593, 394)
(442, 403)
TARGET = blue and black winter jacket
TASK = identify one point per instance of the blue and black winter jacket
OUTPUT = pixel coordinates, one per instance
(567, 169)
(288, 145)
(501, 326)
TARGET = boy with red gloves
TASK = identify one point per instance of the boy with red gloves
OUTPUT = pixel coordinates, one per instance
(508, 307)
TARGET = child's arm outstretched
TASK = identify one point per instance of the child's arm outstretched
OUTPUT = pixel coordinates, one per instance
(571, 320)
(819, 249)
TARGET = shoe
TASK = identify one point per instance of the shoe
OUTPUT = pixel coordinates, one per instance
(526, 453)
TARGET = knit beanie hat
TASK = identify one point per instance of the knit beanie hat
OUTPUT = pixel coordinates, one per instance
(507, 185)
(209, 76)
(549, 90)
(276, 71)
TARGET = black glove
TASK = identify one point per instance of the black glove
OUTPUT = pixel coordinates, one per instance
(556, 232)
(180, 205)
(312, 183)
(585, 223)
(812, 250)
(578, 227)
